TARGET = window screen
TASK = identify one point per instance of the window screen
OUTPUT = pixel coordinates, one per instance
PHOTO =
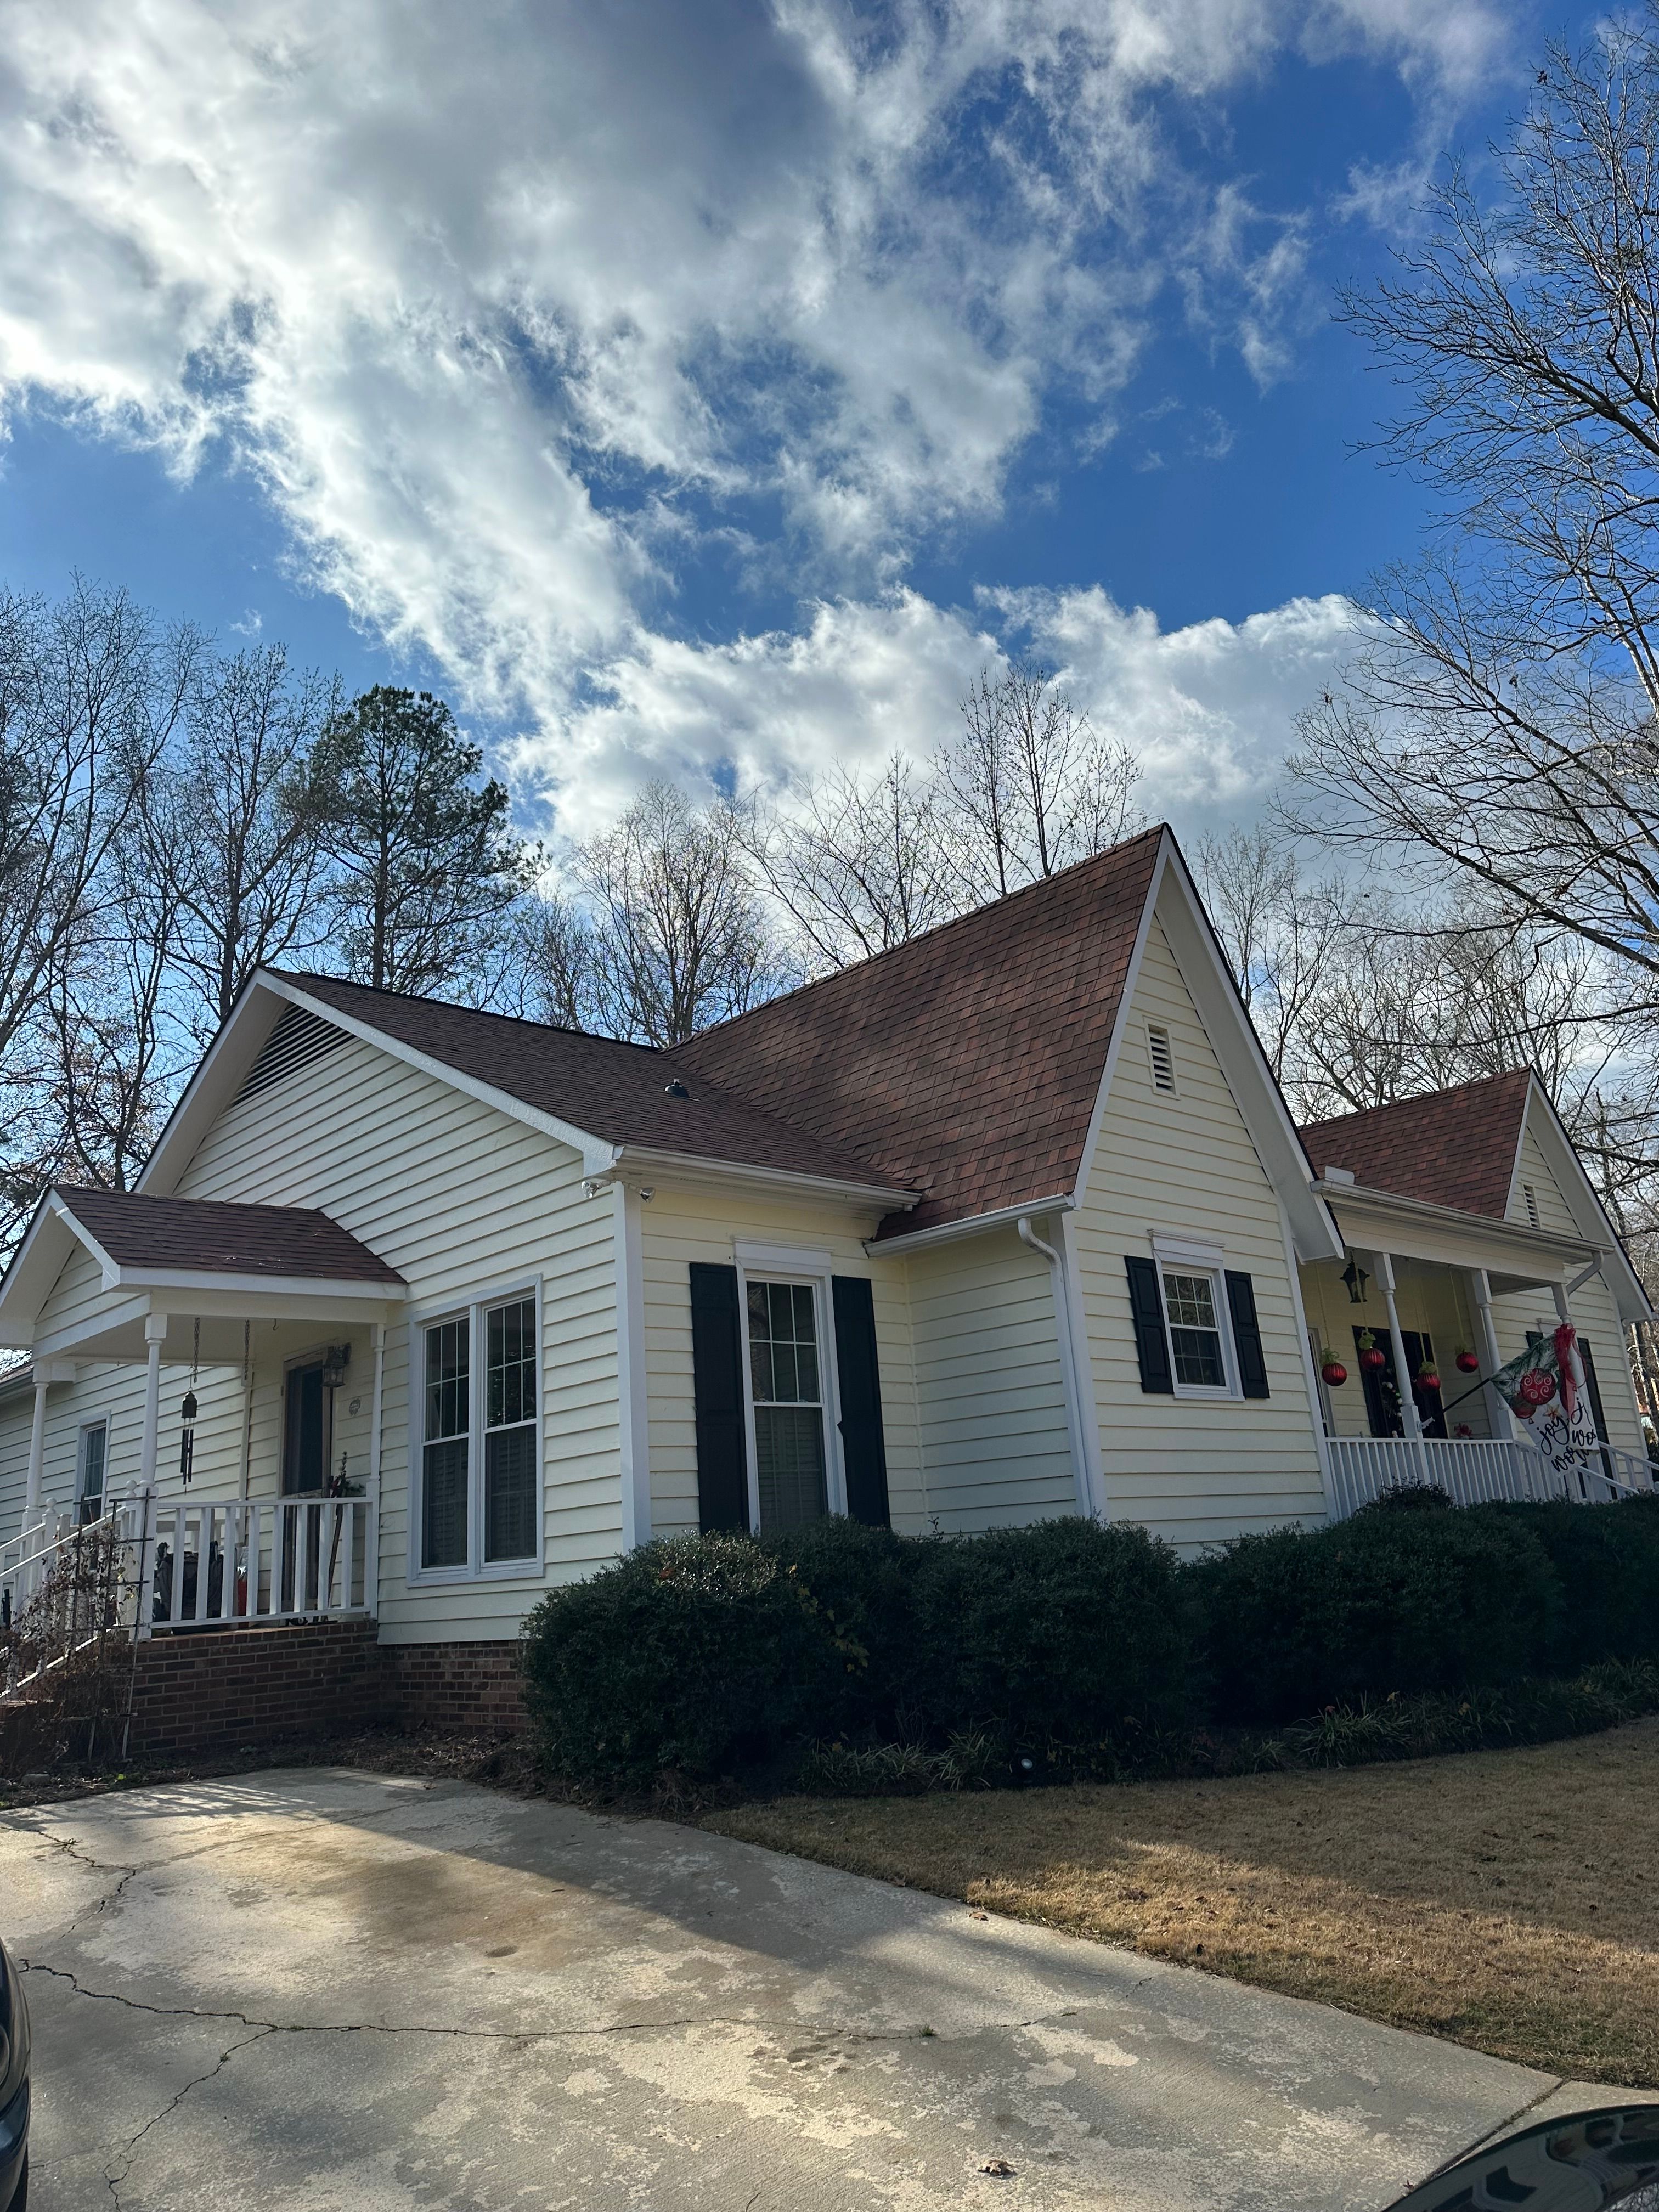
(788, 1401)
(1190, 1307)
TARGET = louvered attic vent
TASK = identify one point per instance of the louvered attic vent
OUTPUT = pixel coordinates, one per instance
(1162, 1053)
(299, 1038)
(1530, 1196)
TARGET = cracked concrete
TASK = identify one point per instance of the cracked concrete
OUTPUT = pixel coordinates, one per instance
(320, 1991)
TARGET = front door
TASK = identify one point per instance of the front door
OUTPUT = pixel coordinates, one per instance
(1381, 1386)
(304, 1470)
(305, 1432)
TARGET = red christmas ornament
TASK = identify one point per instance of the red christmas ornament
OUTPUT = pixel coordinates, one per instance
(1372, 1357)
(1335, 1372)
(1535, 1387)
(1468, 1364)
(1428, 1377)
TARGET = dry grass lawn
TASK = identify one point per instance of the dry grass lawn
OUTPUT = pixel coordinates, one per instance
(1505, 1899)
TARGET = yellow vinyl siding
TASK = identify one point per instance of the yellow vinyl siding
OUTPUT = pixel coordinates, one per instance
(1594, 1314)
(703, 1222)
(459, 1198)
(989, 1401)
(1184, 1164)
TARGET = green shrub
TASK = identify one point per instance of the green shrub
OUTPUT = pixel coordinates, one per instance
(1387, 1602)
(1065, 1631)
(861, 1580)
(1606, 1562)
(1536, 1710)
(699, 1655)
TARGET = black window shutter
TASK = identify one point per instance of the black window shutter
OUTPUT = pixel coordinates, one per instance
(864, 1451)
(1594, 1390)
(1152, 1345)
(717, 1369)
(1247, 1335)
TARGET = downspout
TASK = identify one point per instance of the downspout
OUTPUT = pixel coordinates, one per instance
(1068, 1375)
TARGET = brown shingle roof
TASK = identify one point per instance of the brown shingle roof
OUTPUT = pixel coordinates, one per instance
(966, 1063)
(1448, 1148)
(610, 1091)
(204, 1236)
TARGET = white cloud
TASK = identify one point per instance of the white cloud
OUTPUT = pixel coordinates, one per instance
(510, 308)
(1209, 709)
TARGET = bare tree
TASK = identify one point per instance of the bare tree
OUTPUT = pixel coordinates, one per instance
(233, 824)
(1030, 786)
(1280, 930)
(679, 939)
(551, 972)
(89, 695)
(858, 862)
(1500, 715)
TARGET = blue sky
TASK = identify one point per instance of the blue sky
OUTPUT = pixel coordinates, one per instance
(708, 391)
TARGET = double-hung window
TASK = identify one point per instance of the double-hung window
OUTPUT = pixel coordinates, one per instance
(785, 1382)
(1192, 1313)
(89, 1470)
(478, 1478)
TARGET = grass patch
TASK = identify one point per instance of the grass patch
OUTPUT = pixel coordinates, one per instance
(1508, 1899)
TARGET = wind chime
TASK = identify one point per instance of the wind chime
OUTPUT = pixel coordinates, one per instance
(187, 1435)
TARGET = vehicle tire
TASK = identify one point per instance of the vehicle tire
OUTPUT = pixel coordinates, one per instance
(19, 2199)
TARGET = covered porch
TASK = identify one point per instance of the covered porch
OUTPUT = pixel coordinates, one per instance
(1408, 1316)
(221, 1370)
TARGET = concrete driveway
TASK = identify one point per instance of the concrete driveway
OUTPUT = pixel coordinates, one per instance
(333, 1990)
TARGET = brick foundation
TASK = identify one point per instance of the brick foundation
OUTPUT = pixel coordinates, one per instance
(458, 1686)
(227, 1688)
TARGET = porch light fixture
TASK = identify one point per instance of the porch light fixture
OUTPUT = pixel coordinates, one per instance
(336, 1360)
(1356, 1279)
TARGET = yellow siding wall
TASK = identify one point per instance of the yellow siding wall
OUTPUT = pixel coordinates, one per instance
(1594, 1312)
(696, 1222)
(1193, 1471)
(988, 1395)
(459, 1198)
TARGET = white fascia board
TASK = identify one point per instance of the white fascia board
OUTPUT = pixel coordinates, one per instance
(1491, 1228)
(285, 1288)
(233, 1052)
(974, 1225)
(218, 1079)
(638, 1163)
(1121, 1025)
(1582, 1202)
(597, 1154)
(35, 1267)
(1233, 1040)
(122, 1315)
(112, 1271)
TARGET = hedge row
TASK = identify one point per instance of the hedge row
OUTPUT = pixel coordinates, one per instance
(722, 1655)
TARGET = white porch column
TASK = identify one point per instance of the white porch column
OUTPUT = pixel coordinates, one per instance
(372, 1532)
(1408, 1420)
(1498, 1416)
(155, 1329)
(46, 1372)
(37, 1452)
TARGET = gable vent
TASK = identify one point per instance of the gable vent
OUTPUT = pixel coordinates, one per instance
(1162, 1053)
(1531, 1197)
(299, 1038)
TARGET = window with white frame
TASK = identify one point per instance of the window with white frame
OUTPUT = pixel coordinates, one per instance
(479, 1480)
(1197, 1319)
(89, 1460)
(786, 1384)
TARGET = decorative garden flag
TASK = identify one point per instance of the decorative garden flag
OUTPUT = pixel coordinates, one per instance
(1545, 1389)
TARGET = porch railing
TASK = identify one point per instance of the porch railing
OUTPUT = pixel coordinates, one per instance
(65, 1585)
(1471, 1471)
(259, 1560)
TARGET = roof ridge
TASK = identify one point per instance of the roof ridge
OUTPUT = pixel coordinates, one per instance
(1003, 900)
(459, 1007)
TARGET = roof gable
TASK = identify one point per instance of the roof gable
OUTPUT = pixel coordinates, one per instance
(1455, 1148)
(200, 1236)
(967, 1062)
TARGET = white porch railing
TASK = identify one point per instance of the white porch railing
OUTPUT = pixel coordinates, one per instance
(1471, 1470)
(65, 1585)
(257, 1559)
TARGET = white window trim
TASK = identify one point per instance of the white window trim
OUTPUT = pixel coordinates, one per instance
(472, 1302)
(1195, 1259)
(765, 1263)
(82, 1434)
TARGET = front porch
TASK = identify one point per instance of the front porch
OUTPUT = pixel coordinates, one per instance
(1406, 1334)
